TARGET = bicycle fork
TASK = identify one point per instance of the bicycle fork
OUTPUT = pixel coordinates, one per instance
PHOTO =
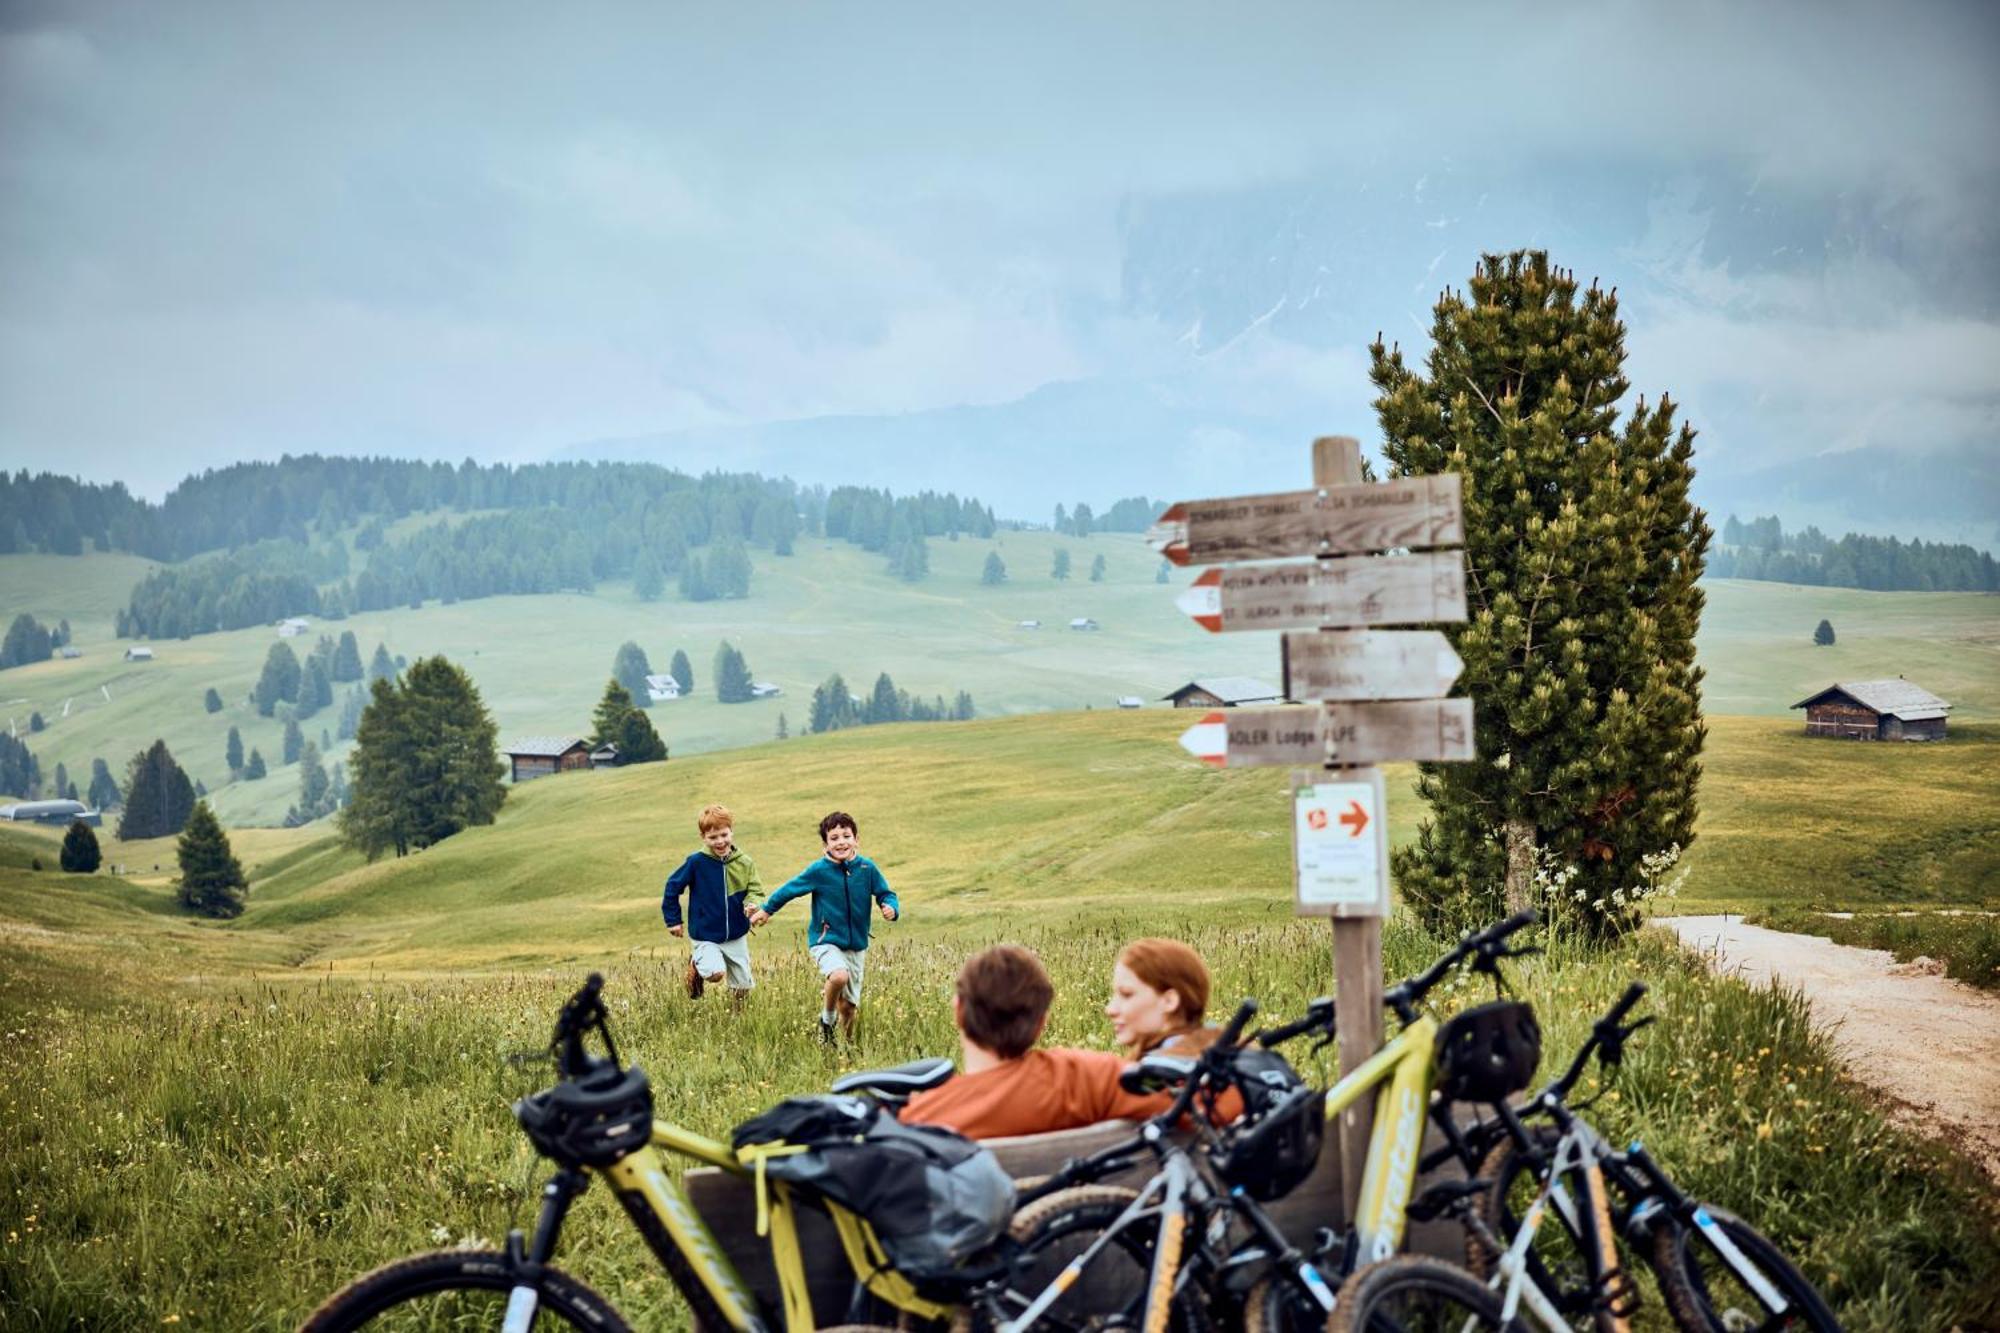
(1664, 1197)
(526, 1296)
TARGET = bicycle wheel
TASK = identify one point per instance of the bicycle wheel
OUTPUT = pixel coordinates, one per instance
(1281, 1304)
(1414, 1294)
(447, 1291)
(1111, 1292)
(1707, 1295)
(1557, 1262)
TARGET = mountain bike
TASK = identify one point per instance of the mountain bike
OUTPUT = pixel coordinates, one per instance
(1716, 1272)
(597, 1121)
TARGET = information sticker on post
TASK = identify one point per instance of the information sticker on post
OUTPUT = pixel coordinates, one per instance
(1369, 695)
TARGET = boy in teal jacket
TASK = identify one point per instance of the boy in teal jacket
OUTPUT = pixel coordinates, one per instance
(842, 884)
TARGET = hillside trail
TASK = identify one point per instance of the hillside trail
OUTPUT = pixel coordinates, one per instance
(1929, 1044)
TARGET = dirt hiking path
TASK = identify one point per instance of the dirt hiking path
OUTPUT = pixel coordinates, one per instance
(1930, 1044)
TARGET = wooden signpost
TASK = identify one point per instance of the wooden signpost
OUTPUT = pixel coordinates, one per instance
(1369, 695)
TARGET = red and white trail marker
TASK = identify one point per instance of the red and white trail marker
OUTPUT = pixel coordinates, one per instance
(1428, 588)
(1436, 730)
(1331, 520)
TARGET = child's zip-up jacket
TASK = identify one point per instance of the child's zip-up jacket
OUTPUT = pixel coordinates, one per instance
(716, 887)
(841, 893)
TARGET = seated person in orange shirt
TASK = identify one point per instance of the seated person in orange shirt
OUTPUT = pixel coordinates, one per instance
(1006, 1085)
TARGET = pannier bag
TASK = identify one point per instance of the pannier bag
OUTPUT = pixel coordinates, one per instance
(933, 1197)
(1276, 1143)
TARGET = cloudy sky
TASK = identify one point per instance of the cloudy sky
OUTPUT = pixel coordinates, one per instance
(916, 242)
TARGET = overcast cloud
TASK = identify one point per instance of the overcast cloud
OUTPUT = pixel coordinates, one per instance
(235, 230)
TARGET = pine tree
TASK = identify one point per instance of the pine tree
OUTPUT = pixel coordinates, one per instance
(638, 743)
(1097, 570)
(212, 882)
(158, 795)
(732, 675)
(1082, 520)
(104, 792)
(20, 771)
(254, 770)
(884, 705)
(62, 782)
(609, 718)
(782, 733)
(1059, 571)
(426, 762)
(279, 682)
(294, 741)
(316, 692)
(80, 853)
(36, 722)
(832, 706)
(233, 750)
(1823, 635)
(647, 579)
(1583, 551)
(212, 701)
(315, 788)
(630, 669)
(995, 572)
(380, 666)
(682, 671)
(347, 658)
(694, 581)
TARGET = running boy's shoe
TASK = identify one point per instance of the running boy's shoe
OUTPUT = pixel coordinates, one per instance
(694, 981)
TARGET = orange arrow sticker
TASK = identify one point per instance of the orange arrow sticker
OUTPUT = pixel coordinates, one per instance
(1355, 819)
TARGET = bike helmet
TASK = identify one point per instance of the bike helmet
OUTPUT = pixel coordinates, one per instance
(1489, 1052)
(591, 1120)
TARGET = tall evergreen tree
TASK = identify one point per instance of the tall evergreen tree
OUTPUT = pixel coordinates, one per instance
(315, 789)
(27, 640)
(1583, 551)
(20, 771)
(1823, 634)
(279, 682)
(381, 666)
(294, 741)
(36, 722)
(647, 579)
(104, 792)
(1082, 520)
(347, 658)
(212, 701)
(832, 706)
(253, 768)
(732, 675)
(630, 669)
(1059, 569)
(884, 704)
(638, 743)
(694, 581)
(682, 671)
(212, 881)
(62, 782)
(783, 734)
(1097, 570)
(995, 572)
(350, 715)
(80, 852)
(233, 751)
(609, 717)
(426, 762)
(316, 691)
(158, 795)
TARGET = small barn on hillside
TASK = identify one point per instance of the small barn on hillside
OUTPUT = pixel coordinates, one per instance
(1875, 710)
(138, 654)
(605, 755)
(539, 756)
(1225, 692)
(661, 689)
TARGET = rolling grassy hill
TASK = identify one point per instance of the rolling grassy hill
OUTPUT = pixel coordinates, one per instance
(541, 662)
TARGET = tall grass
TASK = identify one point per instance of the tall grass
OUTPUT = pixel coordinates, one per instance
(224, 1160)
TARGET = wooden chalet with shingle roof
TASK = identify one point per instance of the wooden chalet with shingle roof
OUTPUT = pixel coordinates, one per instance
(1875, 710)
(1225, 692)
(539, 756)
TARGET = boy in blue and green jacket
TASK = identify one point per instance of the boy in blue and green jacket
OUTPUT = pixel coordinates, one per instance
(842, 884)
(717, 881)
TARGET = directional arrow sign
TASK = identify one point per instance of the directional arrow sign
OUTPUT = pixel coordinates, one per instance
(1429, 729)
(1412, 511)
(1360, 664)
(1361, 590)
(1340, 846)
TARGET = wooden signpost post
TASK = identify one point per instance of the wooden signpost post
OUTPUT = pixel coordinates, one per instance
(1369, 695)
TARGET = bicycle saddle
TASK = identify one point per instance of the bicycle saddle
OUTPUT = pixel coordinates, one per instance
(900, 1081)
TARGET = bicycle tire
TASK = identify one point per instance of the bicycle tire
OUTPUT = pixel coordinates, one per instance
(1280, 1304)
(487, 1274)
(1692, 1296)
(1377, 1297)
(1074, 1215)
(1568, 1283)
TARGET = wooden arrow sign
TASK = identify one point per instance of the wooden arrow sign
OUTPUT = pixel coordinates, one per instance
(1427, 729)
(1361, 590)
(1336, 520)
(1365, 664)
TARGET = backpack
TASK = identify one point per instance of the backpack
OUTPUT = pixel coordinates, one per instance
(933, 1197)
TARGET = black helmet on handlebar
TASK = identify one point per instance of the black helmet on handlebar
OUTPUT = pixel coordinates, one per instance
(591, 1120)
(1489, 1052)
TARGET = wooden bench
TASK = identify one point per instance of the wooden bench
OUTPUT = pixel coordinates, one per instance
(729, 1205)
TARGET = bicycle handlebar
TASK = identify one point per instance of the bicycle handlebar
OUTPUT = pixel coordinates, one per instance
(583, 1012)
(1486, 947)
(1607, 1034)
(1319, 1014)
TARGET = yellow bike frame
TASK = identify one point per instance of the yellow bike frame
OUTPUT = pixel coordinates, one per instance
(1403, 1068)
(643, 1175)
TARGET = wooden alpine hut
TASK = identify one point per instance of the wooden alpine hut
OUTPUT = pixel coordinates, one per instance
(1875, 710)
(539, 756)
